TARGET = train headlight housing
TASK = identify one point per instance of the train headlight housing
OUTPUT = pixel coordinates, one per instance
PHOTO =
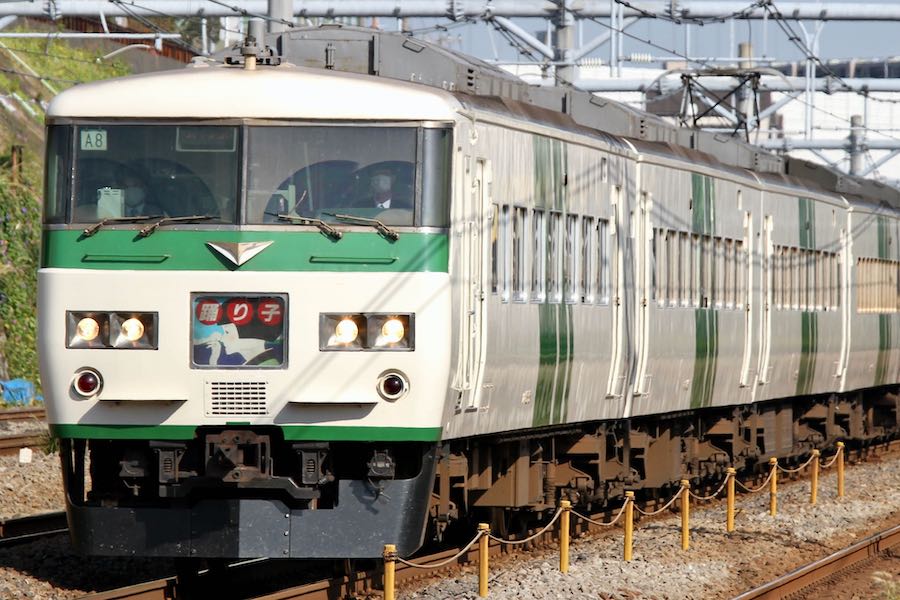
(391, 332)
(87, 329)
(133, 330)
(96, 329)
(341, 332)
(368, 331)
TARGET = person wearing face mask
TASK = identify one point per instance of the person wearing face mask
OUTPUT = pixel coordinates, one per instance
(381, 192)
(135, 199)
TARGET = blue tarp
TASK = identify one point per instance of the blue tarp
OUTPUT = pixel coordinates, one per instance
(17, 391)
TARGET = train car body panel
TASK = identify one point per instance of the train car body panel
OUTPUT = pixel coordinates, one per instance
(874, 261)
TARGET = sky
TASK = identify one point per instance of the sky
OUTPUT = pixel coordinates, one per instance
(838, 39)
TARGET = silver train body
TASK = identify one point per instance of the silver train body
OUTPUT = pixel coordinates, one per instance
(612, 311)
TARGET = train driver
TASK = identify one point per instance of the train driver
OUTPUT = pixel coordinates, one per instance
(381, 193)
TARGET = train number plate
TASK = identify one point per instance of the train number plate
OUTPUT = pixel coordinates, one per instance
(238, 331)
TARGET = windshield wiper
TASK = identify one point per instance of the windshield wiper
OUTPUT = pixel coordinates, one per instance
(322, 225)
(149, 229)
(378, 225)
(96, 226)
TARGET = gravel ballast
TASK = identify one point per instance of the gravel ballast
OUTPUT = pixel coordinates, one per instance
(717, 565)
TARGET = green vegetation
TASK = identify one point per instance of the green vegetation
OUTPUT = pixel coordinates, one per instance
(20, 204)
(61, 64)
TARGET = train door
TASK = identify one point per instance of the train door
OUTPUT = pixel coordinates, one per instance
(766, 250)
(646, 258)
(620, 261)
(843, 291)
(744, 281)
(477, 228)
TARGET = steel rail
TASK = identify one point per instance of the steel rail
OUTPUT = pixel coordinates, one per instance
(25, 529)
(13, 443)
(21, 414)
(821, 569)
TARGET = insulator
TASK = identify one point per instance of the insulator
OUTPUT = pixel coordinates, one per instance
(590, 62)
(640, 57)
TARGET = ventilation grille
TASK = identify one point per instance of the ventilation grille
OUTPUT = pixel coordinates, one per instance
(236, 398)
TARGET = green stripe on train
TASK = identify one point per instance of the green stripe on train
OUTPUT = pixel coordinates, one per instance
(291, 433)
(809, 319)
(290, 251)
(706, 320)
(556, 333)
(884, 320)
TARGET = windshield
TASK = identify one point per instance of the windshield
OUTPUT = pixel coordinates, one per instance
(399, 176)
(312, 171)
(152, 170)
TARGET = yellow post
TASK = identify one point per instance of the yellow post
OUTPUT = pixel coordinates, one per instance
(814, 478)
(484, 529)
(773, 487)
(840, 467)
(685, 514)
(390, 557)
(566, 506)
(629, 523)
(729, 514)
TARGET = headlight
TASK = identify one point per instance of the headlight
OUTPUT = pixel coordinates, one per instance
(87, 330)
(366, 331)
(341, 332)
(95, 329)
(390, 332)
(346, 331)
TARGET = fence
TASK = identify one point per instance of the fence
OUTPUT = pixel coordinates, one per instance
(564, 513)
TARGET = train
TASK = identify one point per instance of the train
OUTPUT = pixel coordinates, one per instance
(337, 288)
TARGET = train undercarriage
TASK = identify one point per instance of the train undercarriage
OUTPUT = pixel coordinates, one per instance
(247, 492)
(496, 477)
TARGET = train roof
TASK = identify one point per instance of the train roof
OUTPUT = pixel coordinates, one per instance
(207, 90)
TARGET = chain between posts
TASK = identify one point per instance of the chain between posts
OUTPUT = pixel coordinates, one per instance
(764, 485)
(800, 468)
(664, 508)
(529, 538)
(601, 523)
(443, 562)
(714, 494)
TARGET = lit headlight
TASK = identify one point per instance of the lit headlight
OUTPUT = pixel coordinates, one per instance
(346, 331)
(87, 330)
(366, 332)
(95, 329)
(341, 332)
(130, 330)
(390, 332)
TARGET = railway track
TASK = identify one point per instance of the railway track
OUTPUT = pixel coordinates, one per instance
(826, 568)
(11, 444)
(27, 529)
(363, 582)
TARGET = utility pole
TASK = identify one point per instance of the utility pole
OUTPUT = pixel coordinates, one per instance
(279, 11)
(565, 42)
(856, 143)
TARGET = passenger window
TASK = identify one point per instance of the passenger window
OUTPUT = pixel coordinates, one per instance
(504, 256)
(603, 258)
(538, 256)
(554, 258)
(570, 268)
(495, 248)
(518, 254)
(588, 240)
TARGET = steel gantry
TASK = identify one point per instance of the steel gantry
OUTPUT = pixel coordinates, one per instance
(559, 55)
